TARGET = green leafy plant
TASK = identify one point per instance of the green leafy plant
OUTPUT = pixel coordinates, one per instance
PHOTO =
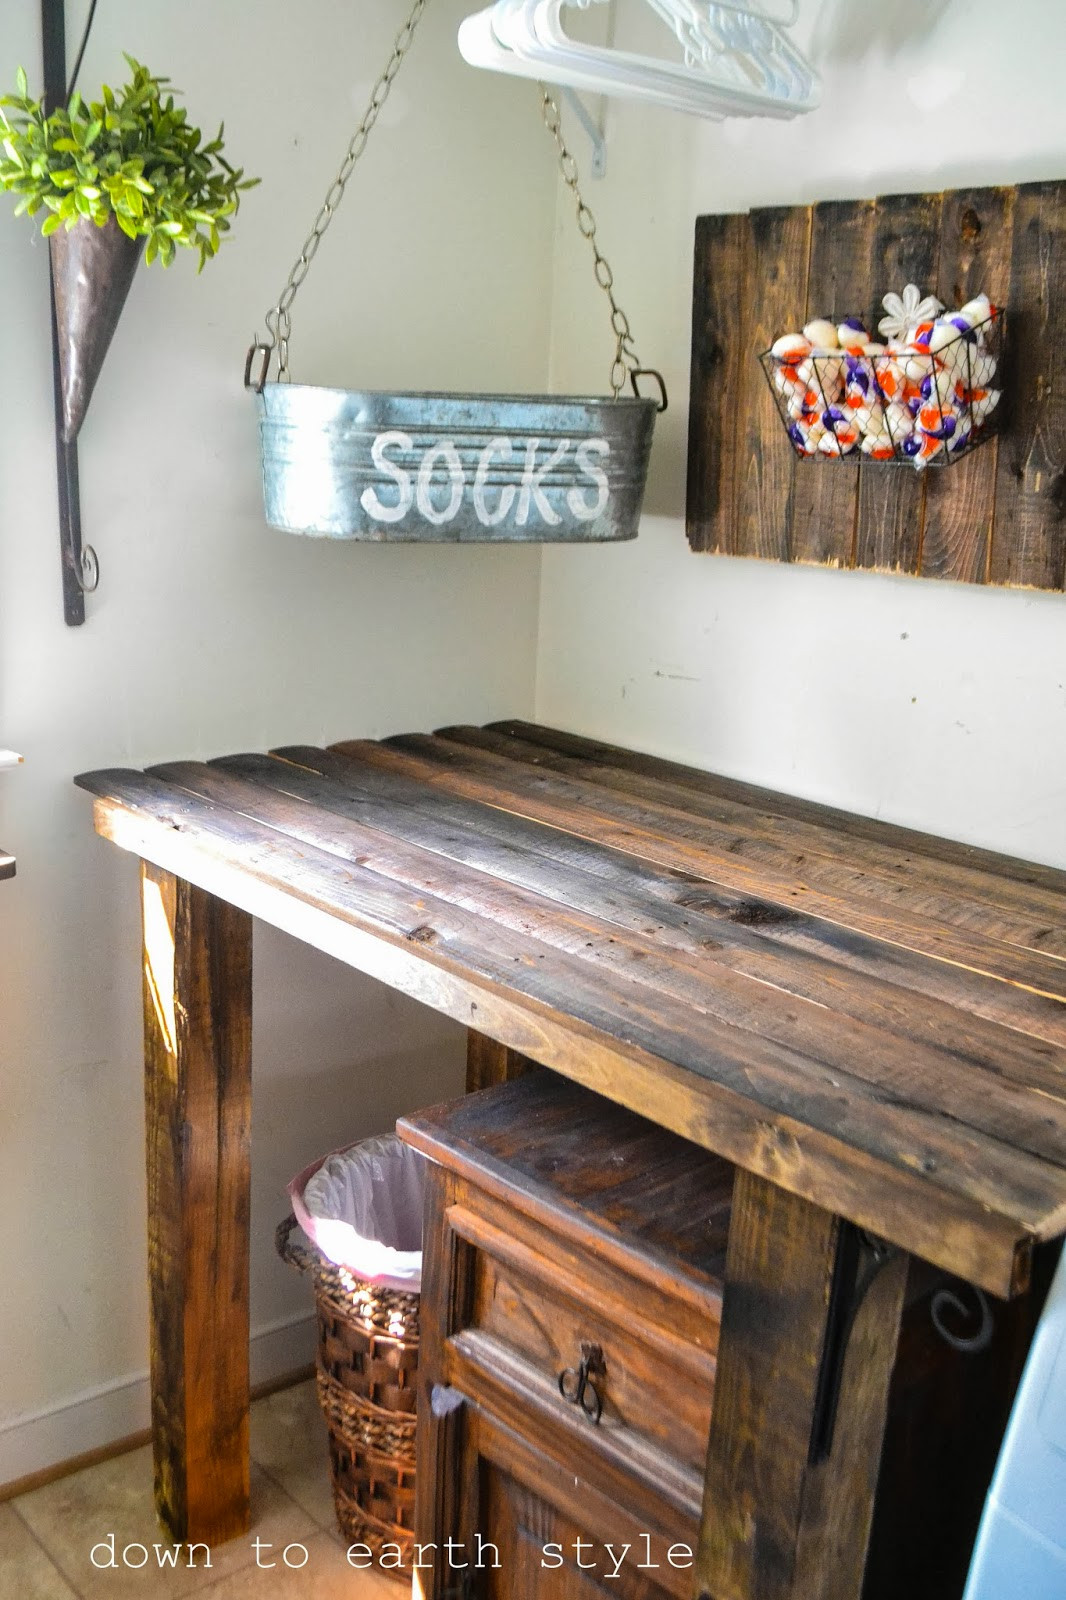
(131, 155)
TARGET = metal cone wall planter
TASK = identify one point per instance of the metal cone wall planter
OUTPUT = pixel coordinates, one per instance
(92, 269)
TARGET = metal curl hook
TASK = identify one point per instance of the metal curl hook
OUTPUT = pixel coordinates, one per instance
(87, 570)
(951, 1300)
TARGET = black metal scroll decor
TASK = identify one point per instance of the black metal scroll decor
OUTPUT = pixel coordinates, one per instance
(79, 565)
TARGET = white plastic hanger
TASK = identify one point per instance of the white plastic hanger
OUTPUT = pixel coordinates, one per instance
(736, 59)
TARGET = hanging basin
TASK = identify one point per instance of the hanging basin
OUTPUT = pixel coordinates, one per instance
(453, 467)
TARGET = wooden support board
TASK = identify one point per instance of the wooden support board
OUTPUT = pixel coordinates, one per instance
(995, 516)
(197, 982)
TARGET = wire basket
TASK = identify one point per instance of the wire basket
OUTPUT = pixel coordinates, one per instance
(927, 402)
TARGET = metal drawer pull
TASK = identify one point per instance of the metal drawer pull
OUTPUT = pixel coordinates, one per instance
(578, 1388)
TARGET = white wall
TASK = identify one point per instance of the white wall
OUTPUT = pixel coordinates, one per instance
(935, 704)
(931, 703)
(211, 633)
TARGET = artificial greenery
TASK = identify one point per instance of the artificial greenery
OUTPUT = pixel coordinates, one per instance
(132, 155)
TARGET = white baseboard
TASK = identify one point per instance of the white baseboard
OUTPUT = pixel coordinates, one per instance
(111, 1411)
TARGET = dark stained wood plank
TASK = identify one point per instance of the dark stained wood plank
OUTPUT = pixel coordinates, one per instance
(680, 845)
(447, 1296)
(906, 250)
(925, 1079)
(717, 385)
(975, 252)
(826, 492)
(712, 915)
(622, 893)
(1017, 913)
(774, 1524)
(504, 992)
(1029, 540)
(774, 297)
(586, 1169)
(931, 846)
(197, 1044)
(488, 1062)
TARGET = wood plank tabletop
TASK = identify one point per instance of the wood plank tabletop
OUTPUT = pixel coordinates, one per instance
(872, 1018)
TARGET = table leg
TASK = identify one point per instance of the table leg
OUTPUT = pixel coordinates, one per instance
(809, 1331)
(488, 1062)
(197, 1055)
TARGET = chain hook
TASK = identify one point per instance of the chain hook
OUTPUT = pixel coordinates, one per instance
(626, 365)
(278, 319)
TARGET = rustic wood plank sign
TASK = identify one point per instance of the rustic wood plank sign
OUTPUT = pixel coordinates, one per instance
(993, 516)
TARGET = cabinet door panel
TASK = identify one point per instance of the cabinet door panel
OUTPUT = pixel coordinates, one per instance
(547, 1555)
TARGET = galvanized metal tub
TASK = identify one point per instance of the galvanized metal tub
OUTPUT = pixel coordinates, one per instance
(453, 467)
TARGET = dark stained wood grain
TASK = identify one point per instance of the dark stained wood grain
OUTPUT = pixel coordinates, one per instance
(719, 378)
(975, 258)
(682, 844)
(847, 824)
(714, 924)
(488, 1062)
(843, 1048)
(825, 503)
(994, 1107)
(624, 894)
(1029, 540)
(875, 1028)
(197, 1042)
(906, 249)
(870, 869)
(447, 1294)
(773, 1524)
(777, 263)
(506, 991)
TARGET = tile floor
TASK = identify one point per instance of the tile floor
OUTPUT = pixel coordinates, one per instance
(47, 1537)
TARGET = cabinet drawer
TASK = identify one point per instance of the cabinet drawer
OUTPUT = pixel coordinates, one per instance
(588, 1332)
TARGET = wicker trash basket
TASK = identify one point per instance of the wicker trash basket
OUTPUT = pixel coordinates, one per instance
(367, 1370)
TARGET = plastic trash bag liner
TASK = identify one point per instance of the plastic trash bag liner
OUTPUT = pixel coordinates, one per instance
(362, 1207)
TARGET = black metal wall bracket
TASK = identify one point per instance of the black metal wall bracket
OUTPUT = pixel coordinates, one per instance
(860, 1257)
(79, 566)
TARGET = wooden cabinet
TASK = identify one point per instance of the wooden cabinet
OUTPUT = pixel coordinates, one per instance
(571, 1307)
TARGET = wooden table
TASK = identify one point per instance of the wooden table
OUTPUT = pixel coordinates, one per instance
(870, 1023)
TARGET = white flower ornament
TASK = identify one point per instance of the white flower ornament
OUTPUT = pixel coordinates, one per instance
(905, 310)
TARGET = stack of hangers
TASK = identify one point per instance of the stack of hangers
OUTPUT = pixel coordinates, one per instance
(736, 59)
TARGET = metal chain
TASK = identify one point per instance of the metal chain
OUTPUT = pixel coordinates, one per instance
(279, 320)
(626, 361)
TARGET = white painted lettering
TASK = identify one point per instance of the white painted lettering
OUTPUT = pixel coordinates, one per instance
(577, 499)
(488, 519)
(369, 500)
(532, 477)
(446, 452)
